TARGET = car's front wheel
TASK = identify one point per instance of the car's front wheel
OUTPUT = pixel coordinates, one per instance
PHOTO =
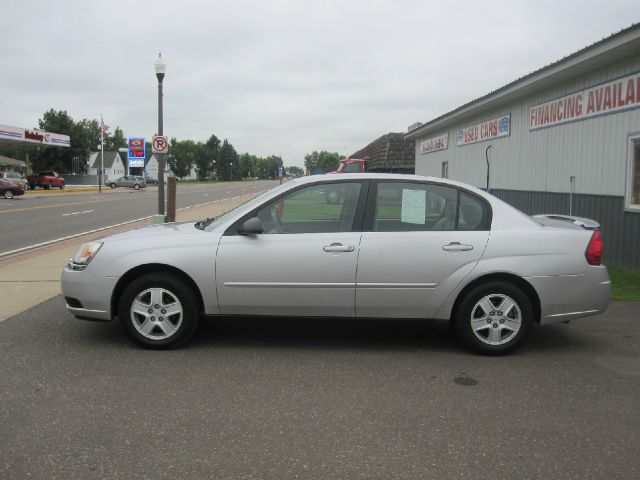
(8, 194)
(112, 185)
(158, 310)
(136, 186)
(62, 186)
(494, 318)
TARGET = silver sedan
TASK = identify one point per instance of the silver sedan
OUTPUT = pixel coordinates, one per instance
(359, 245)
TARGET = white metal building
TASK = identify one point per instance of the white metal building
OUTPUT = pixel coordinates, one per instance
(573, 125)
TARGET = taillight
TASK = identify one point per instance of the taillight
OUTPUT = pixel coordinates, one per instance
(594, 249)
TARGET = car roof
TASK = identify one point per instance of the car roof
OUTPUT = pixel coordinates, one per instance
(345, 177)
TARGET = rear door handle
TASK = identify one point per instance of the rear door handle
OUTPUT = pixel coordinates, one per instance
(338, 247)
(457, 247)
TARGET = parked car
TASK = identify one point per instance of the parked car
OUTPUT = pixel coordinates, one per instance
(16, 178)
(130, 181)
(9, 190)
(46, 179)
(394, 246)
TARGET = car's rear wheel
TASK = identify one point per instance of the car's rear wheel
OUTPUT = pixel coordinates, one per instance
(158, 310)
(112, 185)
(8, 194)
(62, 186)
(494, 318)
(136, 186)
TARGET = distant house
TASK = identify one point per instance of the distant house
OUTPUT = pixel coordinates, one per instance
(112, 164)
(151, 170)
(12, 165)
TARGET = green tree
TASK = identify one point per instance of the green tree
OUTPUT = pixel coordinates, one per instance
(327, 161)
(182, 156)
(248, 165)
(60, 159)
(206, 158)
(228, 166)
(294, 171)
(115, 140)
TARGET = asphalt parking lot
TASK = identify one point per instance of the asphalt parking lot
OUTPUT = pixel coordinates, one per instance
(275, 398)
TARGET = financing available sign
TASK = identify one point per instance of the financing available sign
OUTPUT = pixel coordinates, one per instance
(494, 128)
(602, 99)
(435, 144)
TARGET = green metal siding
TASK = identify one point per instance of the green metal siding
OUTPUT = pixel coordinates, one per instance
(620, 229)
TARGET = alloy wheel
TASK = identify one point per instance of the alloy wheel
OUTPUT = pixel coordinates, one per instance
(156, 313)
(496, 319)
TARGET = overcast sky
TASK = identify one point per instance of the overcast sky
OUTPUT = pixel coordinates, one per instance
(276, 76)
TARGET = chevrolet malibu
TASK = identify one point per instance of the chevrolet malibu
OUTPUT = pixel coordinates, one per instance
(389, 246)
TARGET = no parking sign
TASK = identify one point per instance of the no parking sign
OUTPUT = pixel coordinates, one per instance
(160, 144)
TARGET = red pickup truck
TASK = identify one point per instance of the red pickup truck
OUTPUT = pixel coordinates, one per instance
(47, 179)
(352, 165)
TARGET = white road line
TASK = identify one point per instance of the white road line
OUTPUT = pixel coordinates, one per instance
(76, 213)
(95, 230)
(205, 194)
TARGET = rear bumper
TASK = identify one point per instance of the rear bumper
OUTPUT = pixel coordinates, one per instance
(92, 292)
(568, 297)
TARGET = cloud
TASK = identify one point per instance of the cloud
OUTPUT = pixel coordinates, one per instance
(280, 77)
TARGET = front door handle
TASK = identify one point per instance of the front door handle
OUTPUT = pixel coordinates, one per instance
(457, 247)
(338, 247)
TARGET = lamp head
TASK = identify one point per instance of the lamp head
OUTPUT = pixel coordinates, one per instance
(160, 68)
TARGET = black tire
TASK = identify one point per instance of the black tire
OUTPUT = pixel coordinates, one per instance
(62, 186)
(112, 185)
(136, 186)
(47, 186)
(8, 194)
(32, 186)
(176, 287)
(469, 309)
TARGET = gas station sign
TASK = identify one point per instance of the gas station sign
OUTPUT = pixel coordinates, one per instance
(136, 152)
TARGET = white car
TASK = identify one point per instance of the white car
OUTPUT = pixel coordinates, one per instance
(390, 246)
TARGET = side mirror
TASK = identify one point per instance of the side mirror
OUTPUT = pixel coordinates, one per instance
(253, 226)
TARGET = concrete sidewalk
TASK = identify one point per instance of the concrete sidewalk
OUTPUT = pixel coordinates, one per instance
(32, 277)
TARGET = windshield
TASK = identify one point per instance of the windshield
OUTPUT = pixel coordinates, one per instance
(245, 207)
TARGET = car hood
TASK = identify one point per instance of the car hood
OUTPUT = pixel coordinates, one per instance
(160, 231)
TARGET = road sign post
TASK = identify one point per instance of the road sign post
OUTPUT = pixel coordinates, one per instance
(160, 147)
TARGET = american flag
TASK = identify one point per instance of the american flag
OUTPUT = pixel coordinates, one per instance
(103, 128)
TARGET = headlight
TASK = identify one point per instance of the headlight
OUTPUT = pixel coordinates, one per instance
(84, 255)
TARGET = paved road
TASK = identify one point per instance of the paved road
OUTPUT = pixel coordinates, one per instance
(280, 399)
(37, 218)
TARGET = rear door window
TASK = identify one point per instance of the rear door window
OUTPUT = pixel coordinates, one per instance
(408, 206)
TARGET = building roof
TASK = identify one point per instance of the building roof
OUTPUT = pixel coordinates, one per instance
(388, 153)
(109, 158)
(614, 48)
(12, 162)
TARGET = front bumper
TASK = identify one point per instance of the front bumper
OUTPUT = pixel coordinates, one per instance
(92, 292)
(568, 297)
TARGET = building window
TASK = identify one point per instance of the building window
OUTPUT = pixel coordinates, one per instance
(445, 169)
(633, 174)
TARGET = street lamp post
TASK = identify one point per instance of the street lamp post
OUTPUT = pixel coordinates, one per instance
(160, 68)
